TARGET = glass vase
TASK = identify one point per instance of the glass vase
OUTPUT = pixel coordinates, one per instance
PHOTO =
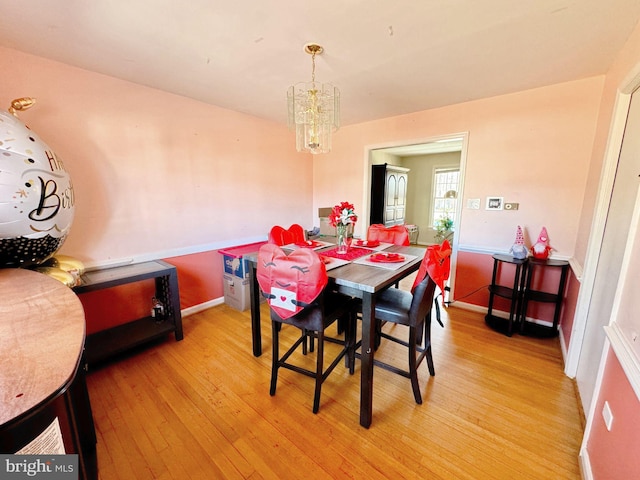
(341, 237)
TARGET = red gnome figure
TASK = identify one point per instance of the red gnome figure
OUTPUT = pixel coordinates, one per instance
(541, 248)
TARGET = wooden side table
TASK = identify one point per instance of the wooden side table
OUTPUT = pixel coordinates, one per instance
(43, 392)
(531, 295)
(513, 293)
(106, 343)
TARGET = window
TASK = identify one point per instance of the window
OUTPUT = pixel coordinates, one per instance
(445, 192)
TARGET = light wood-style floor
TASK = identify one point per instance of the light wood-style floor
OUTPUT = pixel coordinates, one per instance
(498, 408)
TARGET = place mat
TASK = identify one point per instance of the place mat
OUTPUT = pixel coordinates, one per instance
(381, 246)
(389, 266)
(316, 245)
(352, 253)
(331, 263)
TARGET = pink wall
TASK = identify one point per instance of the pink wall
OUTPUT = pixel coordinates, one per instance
(155, 173)
(531, 147)
(569, 307)
(614, 454)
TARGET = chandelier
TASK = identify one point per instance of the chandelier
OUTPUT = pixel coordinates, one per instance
(314, 110)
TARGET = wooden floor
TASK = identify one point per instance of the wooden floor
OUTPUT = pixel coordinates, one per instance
(498, 408)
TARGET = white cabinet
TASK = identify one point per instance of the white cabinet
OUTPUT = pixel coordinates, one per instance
(388, 194)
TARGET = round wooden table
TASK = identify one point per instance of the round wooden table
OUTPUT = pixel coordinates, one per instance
(42, 333)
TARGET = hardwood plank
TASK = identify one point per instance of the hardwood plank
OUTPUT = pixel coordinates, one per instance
(498, 407)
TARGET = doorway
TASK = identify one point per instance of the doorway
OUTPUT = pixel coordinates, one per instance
(449, 151)
(615, 211)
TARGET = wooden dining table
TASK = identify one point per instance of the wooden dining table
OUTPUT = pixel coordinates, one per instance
(357, 280)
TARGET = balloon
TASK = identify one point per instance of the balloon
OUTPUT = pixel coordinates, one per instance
(37, 202)
(68, 264)
(56, 273)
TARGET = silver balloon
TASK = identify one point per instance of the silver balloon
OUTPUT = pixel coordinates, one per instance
(37, 202)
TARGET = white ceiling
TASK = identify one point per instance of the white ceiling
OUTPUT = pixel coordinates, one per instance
(388, 57)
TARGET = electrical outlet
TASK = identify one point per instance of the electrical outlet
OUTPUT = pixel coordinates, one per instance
(473, 203)
(607, 415)
(511, 206)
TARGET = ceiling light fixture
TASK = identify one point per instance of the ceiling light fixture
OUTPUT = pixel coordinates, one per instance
(314, 110)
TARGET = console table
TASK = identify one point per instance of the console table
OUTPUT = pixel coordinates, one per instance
(512, 292)
(106, 343)
(531, 295)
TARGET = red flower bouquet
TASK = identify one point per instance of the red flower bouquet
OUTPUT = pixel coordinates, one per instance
(343, 214)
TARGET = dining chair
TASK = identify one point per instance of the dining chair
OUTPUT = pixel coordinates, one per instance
(294, 234)
(413, 309)
(396, 234)
(296, 288)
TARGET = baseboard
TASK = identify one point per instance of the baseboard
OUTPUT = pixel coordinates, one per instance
(563, 346)
(476, 308)
(202, 306)
(585, 465)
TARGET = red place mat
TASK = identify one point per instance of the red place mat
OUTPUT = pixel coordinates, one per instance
(352, 253)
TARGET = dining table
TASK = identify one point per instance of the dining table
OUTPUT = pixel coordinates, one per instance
(358, 278)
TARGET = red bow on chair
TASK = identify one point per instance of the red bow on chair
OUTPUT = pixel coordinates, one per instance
(436, 263)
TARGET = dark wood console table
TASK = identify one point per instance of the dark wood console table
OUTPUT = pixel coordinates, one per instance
(512, 292)
(106, 343)
(532, 295)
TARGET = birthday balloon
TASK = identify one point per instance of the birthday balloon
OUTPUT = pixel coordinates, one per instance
(37, 202)
(58, 274)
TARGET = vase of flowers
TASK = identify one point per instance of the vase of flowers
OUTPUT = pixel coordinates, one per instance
(342, 217)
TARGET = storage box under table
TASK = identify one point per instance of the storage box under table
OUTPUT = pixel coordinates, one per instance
(235, 276)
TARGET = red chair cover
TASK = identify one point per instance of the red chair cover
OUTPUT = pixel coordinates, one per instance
(280, 236)
(397, 234)
(437, 264)
(292, 281)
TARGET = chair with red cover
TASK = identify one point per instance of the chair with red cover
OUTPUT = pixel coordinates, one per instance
(413, 309)
(294, 234)
(396, 234)
(295, 286)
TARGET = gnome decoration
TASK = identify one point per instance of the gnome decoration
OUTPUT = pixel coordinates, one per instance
(519, 249)
(541, 248)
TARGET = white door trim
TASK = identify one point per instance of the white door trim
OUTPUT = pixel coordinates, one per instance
(607, 178)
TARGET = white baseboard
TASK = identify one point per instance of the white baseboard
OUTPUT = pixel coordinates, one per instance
(202, 306)
(585, 465)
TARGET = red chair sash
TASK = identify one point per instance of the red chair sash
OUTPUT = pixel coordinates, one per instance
(290, 282)
(437, 264)
(397, 234)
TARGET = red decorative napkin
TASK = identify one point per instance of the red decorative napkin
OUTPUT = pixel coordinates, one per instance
(352, 253)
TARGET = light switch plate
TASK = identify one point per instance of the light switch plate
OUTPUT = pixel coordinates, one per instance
(473, 203)
(511, 206)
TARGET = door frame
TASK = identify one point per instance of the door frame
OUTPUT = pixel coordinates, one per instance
(607, 177)
(366, 198)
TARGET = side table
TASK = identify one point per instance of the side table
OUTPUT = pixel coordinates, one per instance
(44, 402)
(531, 295)
(106, 343)
(513, 293)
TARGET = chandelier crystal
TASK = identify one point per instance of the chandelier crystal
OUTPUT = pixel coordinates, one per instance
(314, 110)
